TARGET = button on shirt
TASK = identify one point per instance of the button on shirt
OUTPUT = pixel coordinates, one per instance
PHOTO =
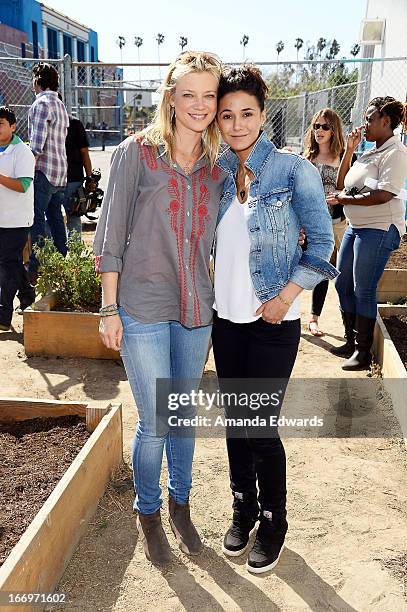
(156, 229)
(388, 166)
(47, 127)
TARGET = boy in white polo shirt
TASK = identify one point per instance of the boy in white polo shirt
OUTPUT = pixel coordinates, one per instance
(17, 165)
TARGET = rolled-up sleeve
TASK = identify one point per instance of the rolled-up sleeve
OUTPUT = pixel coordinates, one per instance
(39, 126)
(310, 207)
(114, 225)
(393, 171)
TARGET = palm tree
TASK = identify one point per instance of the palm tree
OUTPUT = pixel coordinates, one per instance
(321, 44)
(183, 41)
(355, 49)
(138, 42)
(279, 48)
(244, 42)
(121, 41)
(298, 45)
(333, 50)
(160, 39)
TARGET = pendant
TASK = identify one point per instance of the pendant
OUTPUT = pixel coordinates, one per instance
(242, 194)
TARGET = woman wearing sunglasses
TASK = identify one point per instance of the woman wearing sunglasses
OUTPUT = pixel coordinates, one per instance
(376, 222)
(260, 271)
(324, 147)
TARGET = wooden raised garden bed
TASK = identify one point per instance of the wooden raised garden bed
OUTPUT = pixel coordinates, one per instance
(38, 560)
(393, 369)
(392, 285)
(63, 334)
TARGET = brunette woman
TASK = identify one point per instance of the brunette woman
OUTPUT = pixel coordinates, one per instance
(260, 271)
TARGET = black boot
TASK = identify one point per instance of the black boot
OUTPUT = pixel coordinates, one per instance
(361, 358)
(347, 349)
(245, 515)
(269, 543)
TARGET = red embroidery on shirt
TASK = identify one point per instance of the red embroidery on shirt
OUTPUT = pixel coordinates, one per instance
(148, 154)
(176, 212)
(200, 214)
(98, 259)
(215, 173)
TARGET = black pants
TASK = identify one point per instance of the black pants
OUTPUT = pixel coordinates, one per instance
(266, 351)
(13, 275)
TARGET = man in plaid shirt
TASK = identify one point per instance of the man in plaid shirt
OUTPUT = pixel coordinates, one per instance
(47, 125)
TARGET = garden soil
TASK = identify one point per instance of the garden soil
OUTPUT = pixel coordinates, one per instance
(34, 455)
(346, 546)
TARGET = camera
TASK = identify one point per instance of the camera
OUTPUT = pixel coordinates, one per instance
(86, 199)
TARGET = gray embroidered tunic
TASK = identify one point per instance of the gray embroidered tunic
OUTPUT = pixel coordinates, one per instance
(156, 229)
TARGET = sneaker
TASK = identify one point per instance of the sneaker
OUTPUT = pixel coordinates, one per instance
(245, 516)
(268, 545)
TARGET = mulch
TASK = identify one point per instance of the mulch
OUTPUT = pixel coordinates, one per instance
(34, 455)
(397, 328)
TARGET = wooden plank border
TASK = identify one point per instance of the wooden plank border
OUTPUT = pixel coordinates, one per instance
(393, 370)
(392, 285)
(40, 557)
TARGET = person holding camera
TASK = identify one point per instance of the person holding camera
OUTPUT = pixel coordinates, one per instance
(77, 153)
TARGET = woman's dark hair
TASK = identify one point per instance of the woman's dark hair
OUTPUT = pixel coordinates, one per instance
(46, 76)
(391, 107)
(6, 113)
(246, 78)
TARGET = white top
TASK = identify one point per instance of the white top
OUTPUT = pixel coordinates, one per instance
(235, 298)
(17, 209)
(382, 168)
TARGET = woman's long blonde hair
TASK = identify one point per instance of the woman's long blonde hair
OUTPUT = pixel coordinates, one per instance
(337, 144)
(161, 130)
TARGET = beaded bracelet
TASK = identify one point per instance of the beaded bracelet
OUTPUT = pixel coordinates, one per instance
(109, 308)
(109, 314)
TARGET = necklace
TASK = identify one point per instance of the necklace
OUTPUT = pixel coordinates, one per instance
(188, 163)
(242, 185)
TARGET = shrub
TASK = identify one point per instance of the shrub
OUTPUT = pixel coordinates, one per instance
(73, 278)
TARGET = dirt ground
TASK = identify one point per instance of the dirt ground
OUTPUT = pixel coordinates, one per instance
(347, 501)
(398, 259)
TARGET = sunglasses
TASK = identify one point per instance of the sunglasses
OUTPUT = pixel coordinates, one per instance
(322, 126)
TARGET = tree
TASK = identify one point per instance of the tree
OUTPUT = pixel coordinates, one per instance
(183, 41)
(321, 44)
(279, 48)
(355, 49)
(138, 42)
(244, 42)
(160, 39)
(333, 50)
(121, 41)
(298, 45)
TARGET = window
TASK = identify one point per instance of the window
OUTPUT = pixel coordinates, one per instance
(92, 54)
(35, 39)
(80, 51)
(52, 43)
(67, 45)
(22, 49)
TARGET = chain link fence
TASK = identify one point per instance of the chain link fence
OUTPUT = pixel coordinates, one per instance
(113, 100)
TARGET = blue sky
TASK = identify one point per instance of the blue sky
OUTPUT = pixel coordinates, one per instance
(216, 25)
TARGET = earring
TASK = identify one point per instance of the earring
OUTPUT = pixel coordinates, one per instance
(172, 112)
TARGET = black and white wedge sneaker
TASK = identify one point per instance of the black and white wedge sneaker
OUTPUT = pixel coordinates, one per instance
(268, 545)
(245, 516)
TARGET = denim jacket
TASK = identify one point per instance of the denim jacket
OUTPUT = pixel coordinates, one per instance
(285, 195)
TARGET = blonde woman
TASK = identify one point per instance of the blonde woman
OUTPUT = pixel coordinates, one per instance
(153, 244)
(324, 147)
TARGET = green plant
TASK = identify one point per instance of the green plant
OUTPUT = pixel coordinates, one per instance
(73, 277)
